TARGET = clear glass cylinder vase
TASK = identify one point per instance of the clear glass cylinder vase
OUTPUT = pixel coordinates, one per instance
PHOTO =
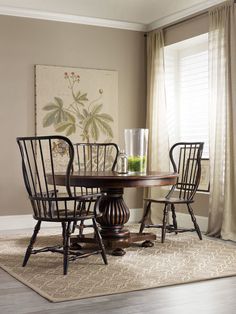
(136, 144)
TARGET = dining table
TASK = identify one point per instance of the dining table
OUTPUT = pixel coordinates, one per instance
(115, 212)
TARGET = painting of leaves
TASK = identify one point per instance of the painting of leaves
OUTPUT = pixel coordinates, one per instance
(78, 103)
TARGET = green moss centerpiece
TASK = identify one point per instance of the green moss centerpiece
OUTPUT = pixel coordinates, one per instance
(137, 163)
(136, 142)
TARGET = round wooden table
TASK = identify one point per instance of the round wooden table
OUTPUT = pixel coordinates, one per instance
(115, 212)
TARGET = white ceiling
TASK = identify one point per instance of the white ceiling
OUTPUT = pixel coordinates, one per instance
(132, 14)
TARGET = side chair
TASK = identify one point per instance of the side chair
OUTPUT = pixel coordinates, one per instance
(43, 155)
(186, 161)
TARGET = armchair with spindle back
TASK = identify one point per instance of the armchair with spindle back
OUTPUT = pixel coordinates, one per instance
(43, 155)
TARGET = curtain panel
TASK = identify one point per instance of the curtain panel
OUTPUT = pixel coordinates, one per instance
(222, 102)
(158, 147)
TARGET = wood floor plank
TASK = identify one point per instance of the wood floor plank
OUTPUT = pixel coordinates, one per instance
(207, 297)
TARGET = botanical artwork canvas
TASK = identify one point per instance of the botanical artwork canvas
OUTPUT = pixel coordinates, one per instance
(79, 103)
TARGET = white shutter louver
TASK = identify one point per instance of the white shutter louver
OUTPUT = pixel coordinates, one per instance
(187, 91)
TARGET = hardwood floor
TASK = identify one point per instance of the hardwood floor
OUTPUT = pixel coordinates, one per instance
(212, 296)
(207, 297)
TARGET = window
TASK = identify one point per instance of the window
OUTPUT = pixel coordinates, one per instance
(186, 68)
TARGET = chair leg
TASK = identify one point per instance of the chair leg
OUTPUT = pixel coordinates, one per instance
(66, 244)
(164, 222)
(190, 210)
(174, 218)
(81, 228)
(63, 230)
(31, 244)
(145, 215)
(100, 243)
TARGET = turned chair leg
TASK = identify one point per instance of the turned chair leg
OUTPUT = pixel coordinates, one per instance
(145, 215)
(100, 243)
(66, 244)
(174, 218)
(63, 230)
(164, 222)
(31, 244)
(196, 226)
(81, 228)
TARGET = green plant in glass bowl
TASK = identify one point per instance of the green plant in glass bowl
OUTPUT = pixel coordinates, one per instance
(137, 163)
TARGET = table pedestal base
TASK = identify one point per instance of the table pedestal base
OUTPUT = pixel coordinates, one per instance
(115, 246)
(116, 236)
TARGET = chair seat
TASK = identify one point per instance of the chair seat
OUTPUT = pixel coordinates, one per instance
(70, 216)
(171, 200)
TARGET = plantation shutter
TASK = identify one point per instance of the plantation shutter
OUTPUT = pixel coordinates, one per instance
(193, 98)
(186, 70)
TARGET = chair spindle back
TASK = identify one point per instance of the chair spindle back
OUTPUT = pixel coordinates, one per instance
(43, 155)
(95, 157)
(186, 160)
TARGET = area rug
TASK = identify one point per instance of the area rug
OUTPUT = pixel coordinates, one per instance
(181, 259)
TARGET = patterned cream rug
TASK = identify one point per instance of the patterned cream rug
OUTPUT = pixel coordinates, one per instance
(181, 259)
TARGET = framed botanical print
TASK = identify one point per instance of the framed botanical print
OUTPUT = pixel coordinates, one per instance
(79, 103)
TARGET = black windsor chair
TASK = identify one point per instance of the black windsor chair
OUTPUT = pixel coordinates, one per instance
(41, 156)
(94, 157)
(186, 161)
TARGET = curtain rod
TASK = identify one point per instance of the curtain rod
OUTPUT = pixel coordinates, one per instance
(185, 19)
(197, 14)
(190, 17)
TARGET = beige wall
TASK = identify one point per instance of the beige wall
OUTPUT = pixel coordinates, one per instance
(200, 206)
(26, 42)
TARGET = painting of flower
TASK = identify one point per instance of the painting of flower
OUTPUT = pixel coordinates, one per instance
(78, 103)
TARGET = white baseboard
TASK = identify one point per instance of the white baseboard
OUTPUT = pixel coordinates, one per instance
(16, 222)
(136, 215)
(184, 220)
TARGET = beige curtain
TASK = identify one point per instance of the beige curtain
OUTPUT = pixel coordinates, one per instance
(158, 147)
(222, 66)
